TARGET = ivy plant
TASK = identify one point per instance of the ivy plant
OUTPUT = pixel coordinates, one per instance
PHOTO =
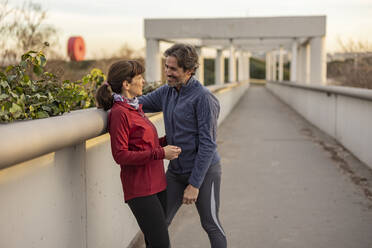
(27, 91)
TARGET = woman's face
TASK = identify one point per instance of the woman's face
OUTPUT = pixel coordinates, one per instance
(135, 87)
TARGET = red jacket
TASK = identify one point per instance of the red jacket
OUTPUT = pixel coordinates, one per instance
(136, 148)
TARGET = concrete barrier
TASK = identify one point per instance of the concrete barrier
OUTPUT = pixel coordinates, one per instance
(59, 185)
(344, 113)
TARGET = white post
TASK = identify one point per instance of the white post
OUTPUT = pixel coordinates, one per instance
(247, 67)
(232, 64)
(300, 65)
(307, 63)
(293, 73)
(268, 66)
(318, 61)
(152, 61)
(219, 68)
(241, 66)
(280, 64)
(274, 67)
(200, 72)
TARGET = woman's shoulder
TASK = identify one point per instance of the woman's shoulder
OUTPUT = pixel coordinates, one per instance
(119, 110)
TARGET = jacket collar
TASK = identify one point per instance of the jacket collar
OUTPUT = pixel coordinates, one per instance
(191, 84)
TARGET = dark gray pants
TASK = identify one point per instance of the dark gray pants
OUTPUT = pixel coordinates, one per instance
(207, 204)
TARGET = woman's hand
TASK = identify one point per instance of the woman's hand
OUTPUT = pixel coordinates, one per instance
(171, 152)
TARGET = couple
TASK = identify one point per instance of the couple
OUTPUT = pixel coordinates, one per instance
(190, 117)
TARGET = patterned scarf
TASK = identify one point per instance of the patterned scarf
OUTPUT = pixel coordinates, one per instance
(132, 102)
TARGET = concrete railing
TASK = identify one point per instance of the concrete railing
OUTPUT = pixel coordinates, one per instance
(59, 185)
(342, 112)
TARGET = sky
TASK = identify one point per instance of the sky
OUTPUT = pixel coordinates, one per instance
(106, 25)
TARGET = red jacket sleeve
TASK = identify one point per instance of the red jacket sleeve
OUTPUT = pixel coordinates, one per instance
(119, 133)
(163, 141)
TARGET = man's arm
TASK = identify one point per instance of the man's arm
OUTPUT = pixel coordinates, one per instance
(153, 101)
(207, 111)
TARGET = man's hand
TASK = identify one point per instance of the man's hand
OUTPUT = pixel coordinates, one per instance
(190, 195)
(171, 152)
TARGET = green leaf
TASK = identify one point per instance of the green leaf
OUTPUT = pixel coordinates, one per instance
(19, 90)
(46, 108)
(41, 114)
(15, 108)
(3, 96)
(4, 84)
(23, 64)
(42, 60)
(26, 79)
(9, 68)
(13, 94)
(38, 70)
(56, 110)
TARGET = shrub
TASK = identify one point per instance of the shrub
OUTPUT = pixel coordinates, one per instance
(27, 92)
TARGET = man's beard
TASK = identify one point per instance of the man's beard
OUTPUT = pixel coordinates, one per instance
(174, 84)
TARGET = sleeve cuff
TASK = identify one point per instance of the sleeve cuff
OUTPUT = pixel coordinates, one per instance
(159, 153)
(194, 183)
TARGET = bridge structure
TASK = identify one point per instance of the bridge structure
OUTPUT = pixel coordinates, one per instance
(302, 39)
(296, 154)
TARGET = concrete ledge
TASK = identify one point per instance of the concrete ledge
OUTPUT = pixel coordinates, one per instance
(344, 113)
(24, 140)
(364, 94)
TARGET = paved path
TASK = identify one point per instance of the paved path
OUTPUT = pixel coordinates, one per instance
(284, 184)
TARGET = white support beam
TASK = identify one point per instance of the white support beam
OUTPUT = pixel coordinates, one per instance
(307, 63)
(318, 61)
(241, 66)
(280, 64)
(293, 70)
(274, 66)
(247, 67)
(300, 63)
(232, 64)
(231, 28)
(200, 71)
(268, 66)
(153, 61)
(219, 67)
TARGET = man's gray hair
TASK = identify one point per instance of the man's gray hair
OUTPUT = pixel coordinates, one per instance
(186, 55)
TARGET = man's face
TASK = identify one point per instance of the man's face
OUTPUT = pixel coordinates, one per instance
(176, 76)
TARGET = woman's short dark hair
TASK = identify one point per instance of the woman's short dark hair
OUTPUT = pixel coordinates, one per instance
(117, 74)
(186, 55)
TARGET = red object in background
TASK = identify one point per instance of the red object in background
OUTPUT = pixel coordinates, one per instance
(76, 48)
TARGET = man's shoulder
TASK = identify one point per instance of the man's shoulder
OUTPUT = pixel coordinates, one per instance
(200, 88)
(159, 90)
(203, 92)
(163, 88)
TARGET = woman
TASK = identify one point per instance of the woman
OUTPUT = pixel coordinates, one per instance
(137, 149)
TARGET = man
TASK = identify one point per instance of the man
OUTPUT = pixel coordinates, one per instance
(190, 117)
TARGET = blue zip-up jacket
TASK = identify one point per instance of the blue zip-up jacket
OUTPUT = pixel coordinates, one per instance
(190, 119)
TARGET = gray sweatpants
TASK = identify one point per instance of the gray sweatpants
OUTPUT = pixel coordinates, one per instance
(207, 204)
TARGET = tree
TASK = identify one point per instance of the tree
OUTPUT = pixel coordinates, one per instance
(23, 29)
(356, 69)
